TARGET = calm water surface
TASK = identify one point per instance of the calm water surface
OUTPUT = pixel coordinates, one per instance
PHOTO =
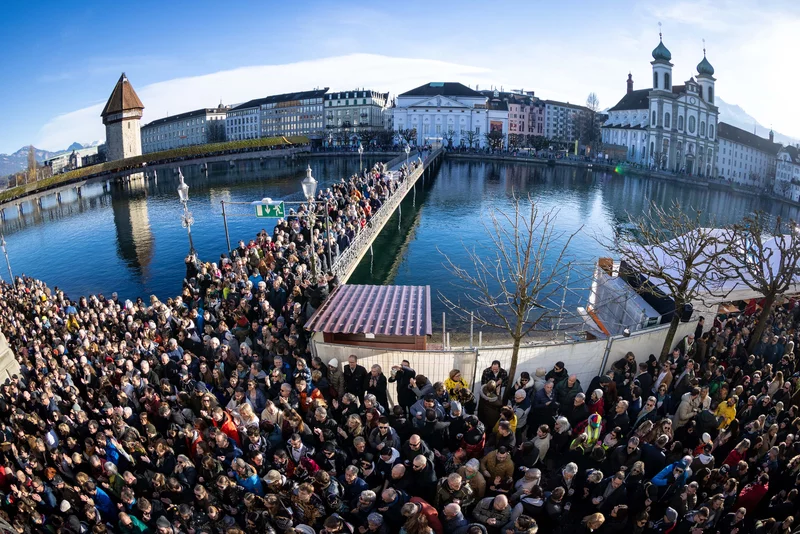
(130, 239)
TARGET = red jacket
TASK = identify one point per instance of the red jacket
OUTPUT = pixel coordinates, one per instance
(733, 458)
(751, 495)
(228, 428)
(430, 513)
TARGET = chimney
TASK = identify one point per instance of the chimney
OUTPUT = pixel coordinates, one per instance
(630, 83)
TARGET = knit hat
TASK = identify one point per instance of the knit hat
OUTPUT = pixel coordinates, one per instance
(520, 393)
(272, 477)
(333, 363)
(163, 522)
(598, 393)
(594, 420)
(473, 463)
(455, 406)
(64, 507)
(671, 514)
(706, 437)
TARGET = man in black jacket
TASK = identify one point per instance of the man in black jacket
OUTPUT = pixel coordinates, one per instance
(402, 374)
(609, 493)
(354, 376)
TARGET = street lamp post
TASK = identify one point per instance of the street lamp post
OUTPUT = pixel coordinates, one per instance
(309, 185)
(408, 151)
(186, 219)
(330, 141)
(360, 152)
(8, 263)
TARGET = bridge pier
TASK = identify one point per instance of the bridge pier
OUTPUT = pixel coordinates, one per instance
(19, 208)
(58, 197)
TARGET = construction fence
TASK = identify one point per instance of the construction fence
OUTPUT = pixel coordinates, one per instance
(586, 359)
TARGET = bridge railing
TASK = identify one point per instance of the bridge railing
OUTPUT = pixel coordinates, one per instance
(346, 262)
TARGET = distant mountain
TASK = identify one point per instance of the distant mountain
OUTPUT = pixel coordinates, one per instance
(736, 116)
(74, 146)
(18, 161)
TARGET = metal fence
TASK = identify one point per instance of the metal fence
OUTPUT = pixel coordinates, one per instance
(585, 359)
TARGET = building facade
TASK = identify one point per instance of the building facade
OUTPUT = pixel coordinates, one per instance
(121, 116)
(745, 158)
(525, 113)
(197, 127)
(349, 113)
(434, 109)
(670, 127)
(244, 121)
(560, 120)
(278, 115)
(67, 161)
(787, 173)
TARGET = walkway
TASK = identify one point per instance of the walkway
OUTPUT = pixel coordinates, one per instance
(346, 262)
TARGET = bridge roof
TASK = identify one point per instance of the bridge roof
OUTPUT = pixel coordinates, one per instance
(123, 98)
(384, 310)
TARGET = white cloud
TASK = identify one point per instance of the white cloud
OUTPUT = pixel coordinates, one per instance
(239, 85)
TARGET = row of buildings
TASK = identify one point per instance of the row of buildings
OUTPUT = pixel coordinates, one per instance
(667, 126)
(342, 118)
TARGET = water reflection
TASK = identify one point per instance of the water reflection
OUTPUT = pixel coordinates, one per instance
(135, 243)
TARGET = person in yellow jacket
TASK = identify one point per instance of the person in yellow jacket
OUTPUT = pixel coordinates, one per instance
(727, 411)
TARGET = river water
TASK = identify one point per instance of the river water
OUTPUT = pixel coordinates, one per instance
(130, 239)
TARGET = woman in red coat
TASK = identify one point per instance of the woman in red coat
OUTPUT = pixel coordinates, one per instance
(752, 494)
(738, 454)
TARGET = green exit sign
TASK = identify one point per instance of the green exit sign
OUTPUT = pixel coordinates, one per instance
(274, 210)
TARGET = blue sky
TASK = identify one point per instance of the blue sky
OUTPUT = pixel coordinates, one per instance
(60, 61)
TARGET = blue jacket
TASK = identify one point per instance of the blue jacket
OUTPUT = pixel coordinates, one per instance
(663, 478)
(251, 484)
(103, 503)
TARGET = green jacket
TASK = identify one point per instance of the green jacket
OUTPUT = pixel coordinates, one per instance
(137, 527)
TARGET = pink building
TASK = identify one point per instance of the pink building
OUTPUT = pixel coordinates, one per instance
(525, 112)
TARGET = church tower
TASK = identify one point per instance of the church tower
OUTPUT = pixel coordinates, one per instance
(662, 68)
(705, 78)
(121, 116)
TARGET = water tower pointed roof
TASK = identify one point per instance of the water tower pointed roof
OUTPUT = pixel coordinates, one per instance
(123, 98)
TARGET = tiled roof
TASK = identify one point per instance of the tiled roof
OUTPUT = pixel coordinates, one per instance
(634, 100)
(443, 89)
(566, 105)
(793, 153)
(385, 310)
(737, 135)
(286, 97)
(123, 98)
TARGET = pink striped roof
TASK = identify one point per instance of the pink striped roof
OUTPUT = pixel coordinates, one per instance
(385, 310)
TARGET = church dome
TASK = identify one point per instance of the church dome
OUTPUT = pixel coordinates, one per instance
(661, 52)
(704, 67)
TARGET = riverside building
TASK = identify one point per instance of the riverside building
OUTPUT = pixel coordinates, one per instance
(197, 127)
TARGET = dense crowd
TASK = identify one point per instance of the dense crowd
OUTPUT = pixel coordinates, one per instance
(207, 413)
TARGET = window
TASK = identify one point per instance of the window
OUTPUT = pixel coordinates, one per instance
(667, 123)
(691, 124)
(702, 127)
(654, 118)
(711, 131)
(655, 80)
(711, 95)
(666, 81)
(680, 124)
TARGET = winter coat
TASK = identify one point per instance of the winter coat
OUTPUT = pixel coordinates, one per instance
(445, 494)
(336, 380)
(495, 469)
(477, 482)
(565, 395)
(485, 510)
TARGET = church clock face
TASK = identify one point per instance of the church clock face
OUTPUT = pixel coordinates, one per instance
(692, 100)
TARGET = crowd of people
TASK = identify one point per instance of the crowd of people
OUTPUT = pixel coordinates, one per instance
(208, 413)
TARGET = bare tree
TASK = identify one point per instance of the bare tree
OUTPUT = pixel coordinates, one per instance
(31, 164)
(448, 136)
(472, 137)
(495, 139)
(672, 249)
(513, 275)
(407, 135)
(765, 257)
